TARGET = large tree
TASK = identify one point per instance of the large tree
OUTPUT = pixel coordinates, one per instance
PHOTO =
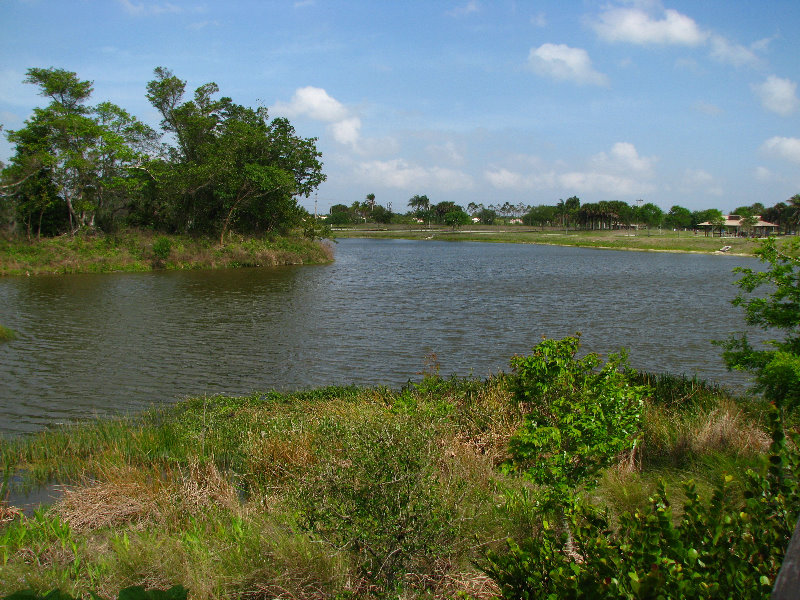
(231, 167)
(72, 153)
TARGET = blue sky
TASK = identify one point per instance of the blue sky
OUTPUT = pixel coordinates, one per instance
(684, 102)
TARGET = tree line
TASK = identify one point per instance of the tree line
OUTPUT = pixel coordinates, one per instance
(213, 167)
(567, 214)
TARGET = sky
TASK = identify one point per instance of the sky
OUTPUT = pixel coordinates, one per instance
(677, 102)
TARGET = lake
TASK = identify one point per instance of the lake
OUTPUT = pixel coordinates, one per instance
(96, 345)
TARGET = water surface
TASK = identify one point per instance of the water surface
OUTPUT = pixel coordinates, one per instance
(93, 345)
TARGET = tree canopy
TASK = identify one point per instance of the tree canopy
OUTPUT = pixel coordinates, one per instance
(225, 167)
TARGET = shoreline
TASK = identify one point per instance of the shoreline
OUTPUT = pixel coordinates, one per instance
(137, 251)
(671, 242)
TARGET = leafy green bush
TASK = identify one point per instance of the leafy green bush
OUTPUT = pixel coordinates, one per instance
(580, 418)
(162, 246)
(730, 547)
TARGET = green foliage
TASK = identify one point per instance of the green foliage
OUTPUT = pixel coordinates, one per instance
(581, 416)
(136, 592)
(162, 246)
(776, 370)
(6, 334)
(376, 494)
(730, 547)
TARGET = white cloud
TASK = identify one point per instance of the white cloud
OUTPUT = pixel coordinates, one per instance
(636, 26)
(783, 147)
(504, 179)
(466, 9)
(698, 179)
(764, 175)
(142, 8)
(447, 152)
(707, 108)
(624, 158)
(619, 172)
(733, 54)
(347, 131)
(317, 104)
(539, 20)
(399, 173)
(564, 63)
(778, 95)
(313, 102)
(603, 183)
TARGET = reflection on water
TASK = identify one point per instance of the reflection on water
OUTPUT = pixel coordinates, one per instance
(103, 344)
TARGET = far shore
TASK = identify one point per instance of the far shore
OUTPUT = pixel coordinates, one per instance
(641, 240)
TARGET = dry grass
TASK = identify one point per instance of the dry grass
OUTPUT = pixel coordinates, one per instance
(122, 497)
(675, 436)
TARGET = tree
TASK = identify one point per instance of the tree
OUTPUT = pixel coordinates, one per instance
(777, 367)
(540, 215)
(678, 217)
(59, 138)
(77, 154)
(486, 215)
(421, 206)
(231, 167)
(651, 215)
(371, 201)
(456, 218)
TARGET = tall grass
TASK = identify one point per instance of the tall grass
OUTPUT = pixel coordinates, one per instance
(332, 491)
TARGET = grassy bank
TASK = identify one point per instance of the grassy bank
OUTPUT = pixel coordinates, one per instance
(660, 241)
(332, 493)
(145, 251)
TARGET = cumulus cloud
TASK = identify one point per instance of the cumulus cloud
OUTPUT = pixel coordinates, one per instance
(733, 54)
(564, 63)
(648, 23)
(504, 179)
(698, 179)
(778, 95)
(447, 152)
(783, 147)
(624, 158)
(763, 174)
(317, 104)
(635, 25)
(621, 171)
(401, 174)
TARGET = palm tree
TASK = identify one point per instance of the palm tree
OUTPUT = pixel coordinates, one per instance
(371, 202)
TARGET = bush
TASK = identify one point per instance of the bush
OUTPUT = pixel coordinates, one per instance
(730, 547)
(162, 246)
(376, 494)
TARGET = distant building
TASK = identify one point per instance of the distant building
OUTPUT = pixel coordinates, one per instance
(733, 226)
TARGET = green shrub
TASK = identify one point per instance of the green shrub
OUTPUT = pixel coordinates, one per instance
(162, 246)
(730, 547)
(580, 418)
(376, 494)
